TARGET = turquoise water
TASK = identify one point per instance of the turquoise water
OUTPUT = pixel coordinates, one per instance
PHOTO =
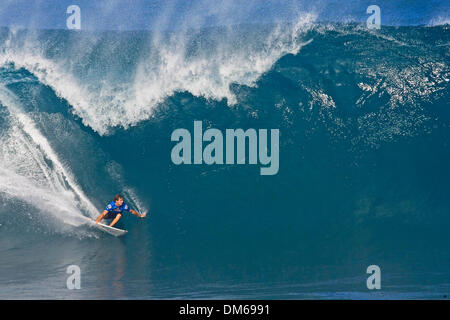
(363, 180)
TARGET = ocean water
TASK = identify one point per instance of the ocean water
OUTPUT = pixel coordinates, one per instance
(363, 179)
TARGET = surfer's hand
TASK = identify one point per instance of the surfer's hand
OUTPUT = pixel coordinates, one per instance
(143, 215)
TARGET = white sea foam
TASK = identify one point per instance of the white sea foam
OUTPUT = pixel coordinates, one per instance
(31, 171)
(439, 21)
(168, 69)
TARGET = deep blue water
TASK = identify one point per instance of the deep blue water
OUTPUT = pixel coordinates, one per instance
(364, 174)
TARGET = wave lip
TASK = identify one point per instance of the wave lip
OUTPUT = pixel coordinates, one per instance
(439, 21)
(203, 63)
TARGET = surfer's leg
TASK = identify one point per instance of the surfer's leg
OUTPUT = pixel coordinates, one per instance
(117, 218)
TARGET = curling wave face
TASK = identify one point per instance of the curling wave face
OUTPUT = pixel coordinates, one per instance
(364, 127)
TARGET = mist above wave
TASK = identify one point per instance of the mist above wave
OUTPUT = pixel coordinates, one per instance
(117, 80)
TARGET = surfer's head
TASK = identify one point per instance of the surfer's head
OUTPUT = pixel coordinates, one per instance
(118, 199)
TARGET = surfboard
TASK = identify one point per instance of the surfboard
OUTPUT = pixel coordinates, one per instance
(111, 230)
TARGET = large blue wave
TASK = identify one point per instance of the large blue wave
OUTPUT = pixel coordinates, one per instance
(364, 148)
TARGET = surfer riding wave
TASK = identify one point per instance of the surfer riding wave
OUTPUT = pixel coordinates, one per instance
(113, 211)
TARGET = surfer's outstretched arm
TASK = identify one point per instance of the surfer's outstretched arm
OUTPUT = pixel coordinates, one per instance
(115, 220)
(137, 213)
(100, 217)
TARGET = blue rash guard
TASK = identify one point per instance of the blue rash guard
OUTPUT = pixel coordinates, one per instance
(114, 210)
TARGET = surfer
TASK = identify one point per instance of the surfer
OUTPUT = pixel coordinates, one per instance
(114, 211)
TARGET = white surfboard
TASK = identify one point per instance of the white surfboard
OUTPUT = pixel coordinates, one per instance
(111, 230)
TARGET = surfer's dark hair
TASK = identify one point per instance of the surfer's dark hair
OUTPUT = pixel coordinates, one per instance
(117, 197)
